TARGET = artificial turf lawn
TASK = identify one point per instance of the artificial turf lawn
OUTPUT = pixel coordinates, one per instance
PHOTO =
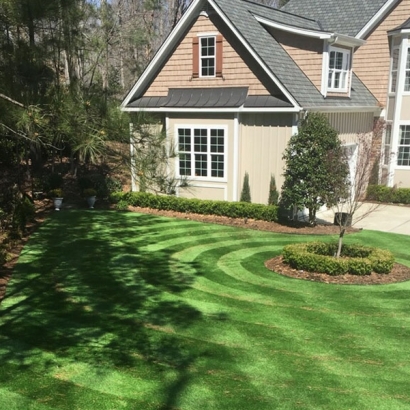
(117, 310)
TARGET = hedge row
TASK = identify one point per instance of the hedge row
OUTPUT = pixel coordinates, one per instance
(197, 206)
(355, 259)
(382, 193)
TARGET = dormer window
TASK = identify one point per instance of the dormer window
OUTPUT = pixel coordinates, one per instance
(207, 56)
(339, 68)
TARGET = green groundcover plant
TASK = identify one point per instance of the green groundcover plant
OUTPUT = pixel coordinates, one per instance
(119, 310)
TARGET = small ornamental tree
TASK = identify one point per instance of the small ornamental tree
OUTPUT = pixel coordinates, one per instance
(246, 189)
(273, 192)
(315, 164)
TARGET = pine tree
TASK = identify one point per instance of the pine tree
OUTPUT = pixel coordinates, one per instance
(246, 189)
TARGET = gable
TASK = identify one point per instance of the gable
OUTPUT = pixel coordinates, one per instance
(372, 61)
(178, 70)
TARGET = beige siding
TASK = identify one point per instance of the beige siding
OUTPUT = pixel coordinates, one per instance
(349, 125)
(263, 139)
(402, 178)
(177, 72)
(306, 52)
(200, 188)
(372, 60)
(405, 108)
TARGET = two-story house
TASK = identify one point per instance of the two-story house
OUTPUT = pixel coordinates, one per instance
(232, 80)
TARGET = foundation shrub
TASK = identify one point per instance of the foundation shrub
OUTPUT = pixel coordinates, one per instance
(382, 193)
(355, 259)
(197, 206)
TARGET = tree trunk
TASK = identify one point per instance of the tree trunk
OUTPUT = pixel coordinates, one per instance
(340, 242)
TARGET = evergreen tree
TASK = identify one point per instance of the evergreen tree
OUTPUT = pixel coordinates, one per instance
(315, 167)
(273, 192)
(246, 189)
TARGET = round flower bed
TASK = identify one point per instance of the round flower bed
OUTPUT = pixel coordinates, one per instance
(355, 259)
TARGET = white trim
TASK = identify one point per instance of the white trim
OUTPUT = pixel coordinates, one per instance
(321, 35)
(213, 110)
(208, 153)
(375, 20)
(291, 29)
(346, 72)
(375, 109)
(208, 34)
(201, 57)
(255, 55)
(235, 171)
(397, 109)
(325, 68)
(132, 162)
(402, 167)
(167, 142)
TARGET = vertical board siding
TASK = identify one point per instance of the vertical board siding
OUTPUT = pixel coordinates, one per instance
(262, 143)
(372, 60)
(306, 52)
(178, 73)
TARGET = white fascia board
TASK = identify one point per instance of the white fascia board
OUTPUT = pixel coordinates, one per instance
(170, 41)
(376, 19)
(321, 35)
(402, 31)
(212, 110)
(292, 29)
(255, 55)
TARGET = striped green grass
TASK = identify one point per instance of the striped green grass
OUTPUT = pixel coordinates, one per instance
(111, 310)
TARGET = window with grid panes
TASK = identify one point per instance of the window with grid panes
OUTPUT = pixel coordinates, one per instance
(201, 152)
(207, 56)
(338, 77)
(403, 154)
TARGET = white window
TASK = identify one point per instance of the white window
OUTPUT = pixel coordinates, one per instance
(339, 68)
(207, 56)
(403, 155)
(407, 73)
(394, 68)
(202, 152)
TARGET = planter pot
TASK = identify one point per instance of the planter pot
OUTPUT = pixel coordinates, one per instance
(91, 201)
(57, 203)
(343, 219)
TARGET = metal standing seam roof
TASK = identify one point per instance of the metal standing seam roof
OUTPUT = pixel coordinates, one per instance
(342, 16)
(217, 97)
(239, 12)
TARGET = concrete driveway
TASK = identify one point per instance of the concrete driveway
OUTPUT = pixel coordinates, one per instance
(386, 218)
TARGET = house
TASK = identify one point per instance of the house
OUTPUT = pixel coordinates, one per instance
(233, 79)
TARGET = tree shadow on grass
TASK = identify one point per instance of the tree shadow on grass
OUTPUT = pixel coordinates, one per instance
(85, 292)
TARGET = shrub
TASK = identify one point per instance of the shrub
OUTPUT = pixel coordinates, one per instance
(23, 213)
(355, 259)
(54, 181)
(246, 189)
(56, 193)
(273, 192)
(382, 193)
(197, 206)
(89, 192)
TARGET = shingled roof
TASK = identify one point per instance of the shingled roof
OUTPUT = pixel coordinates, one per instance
(241, 15)
(342, 16)
(278, 60)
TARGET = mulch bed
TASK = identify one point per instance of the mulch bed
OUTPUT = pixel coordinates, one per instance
(400, 272)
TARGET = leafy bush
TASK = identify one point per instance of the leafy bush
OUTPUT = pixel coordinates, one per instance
(54, 181)
(103, 185)
(246, 189)
(273, 192)
(382, 193)
(23, 213)
(355, 259)
(197, 206)
(56, 193)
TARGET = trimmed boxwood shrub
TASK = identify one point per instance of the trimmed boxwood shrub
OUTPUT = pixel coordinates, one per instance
(205, 207)
(355, 259)
(382, 193)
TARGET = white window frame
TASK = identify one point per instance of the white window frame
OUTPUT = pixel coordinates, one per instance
(394, 70)
(345, 70)
(205, 57)
(387, 144)
(399, 145)
(208, 152)
(406, 67)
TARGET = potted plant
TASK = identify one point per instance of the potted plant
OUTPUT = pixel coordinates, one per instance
(90, 196)
(57, 196)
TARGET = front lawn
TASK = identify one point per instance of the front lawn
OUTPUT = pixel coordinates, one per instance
(117, 310)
